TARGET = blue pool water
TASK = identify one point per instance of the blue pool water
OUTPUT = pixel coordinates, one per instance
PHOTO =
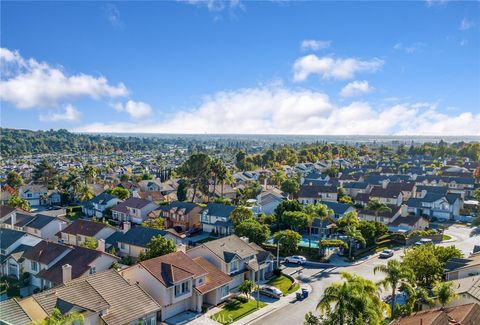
(303, 242)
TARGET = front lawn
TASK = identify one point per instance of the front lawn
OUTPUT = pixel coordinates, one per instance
(283, 283)
(234, 310)
(446, 237)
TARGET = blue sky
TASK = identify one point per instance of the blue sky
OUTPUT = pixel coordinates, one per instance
(242, 67)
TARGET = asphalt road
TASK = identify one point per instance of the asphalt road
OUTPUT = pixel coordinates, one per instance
(320, 278)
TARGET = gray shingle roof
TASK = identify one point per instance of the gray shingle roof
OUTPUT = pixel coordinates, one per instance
(9, 236)
(140, 236)
(219, 210)
(228, 247)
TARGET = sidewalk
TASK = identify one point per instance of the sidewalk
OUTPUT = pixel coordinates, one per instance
(284, 301)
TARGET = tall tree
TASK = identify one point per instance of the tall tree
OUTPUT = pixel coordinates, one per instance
(355, 301)
(14, 179)
(295, 220)
(253, 230)
(241, 214)
(16, 201)
(44, 173)
(376, 206)
(120, 192)
(395, 273)
(444, 293)
(197, 169)
(158, 246)
(288, 239)
(291, 187)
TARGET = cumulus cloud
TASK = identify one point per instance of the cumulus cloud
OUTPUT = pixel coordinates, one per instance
(314, 45)
(332, 68)
(466, 24)
(69, 114)
(135, 109)
(276, 109)
(27, 83)
(216, 6)
(356, 88)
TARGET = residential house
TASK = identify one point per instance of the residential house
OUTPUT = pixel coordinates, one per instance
(79, 230)
(354, 188)
(236, 257)
(467, 290)
(459, 268)
(315, 194)
(133, 210)
(408, 224)
(11, 242)
(178, 282)
(39, 195)
(182, 216)
(215, 218)
(46, 263)
(269, 200)
(465, 314)
(339, 209)
(40, 225)
(102, 298)
(135, 240)
(436, 205)
(388, 195)
(97, 206)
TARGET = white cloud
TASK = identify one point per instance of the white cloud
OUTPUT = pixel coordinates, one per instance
(70, 114)
(135, 109)
(216, 6)
(466, 24)
(314, 45)
(331, 68)
(27, 83)
(431, 3)
(356, 88)
(113, 15)
(412, 48)
(278, 110)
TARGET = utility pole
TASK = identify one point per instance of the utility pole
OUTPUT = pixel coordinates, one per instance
(278, 251)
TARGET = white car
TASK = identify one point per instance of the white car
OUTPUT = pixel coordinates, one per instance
(296, 259)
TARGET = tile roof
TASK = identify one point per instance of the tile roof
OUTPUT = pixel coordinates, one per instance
(468, 314)
(46, 252)
(337, 207)
(460, 263)
(9, 236)
(315, 191)
(12, 313)
(469, 285)
(102, 291)
(84, 227)
(219, 210)
(5, 210)
(140, 236)
(172, 268)
(410, 220)
(228, 247)
(133, 202)
(79, 258)
(215, 278)
(178, 205)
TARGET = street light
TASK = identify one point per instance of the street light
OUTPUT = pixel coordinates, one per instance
(278, 251)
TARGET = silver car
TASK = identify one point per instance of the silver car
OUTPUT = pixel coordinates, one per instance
(271, 292)
(296, 259)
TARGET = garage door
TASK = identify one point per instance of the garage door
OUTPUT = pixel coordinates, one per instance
(175, 309)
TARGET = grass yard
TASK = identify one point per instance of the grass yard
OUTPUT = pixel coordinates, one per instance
(234, 310)
(446, 237)
(283, 283)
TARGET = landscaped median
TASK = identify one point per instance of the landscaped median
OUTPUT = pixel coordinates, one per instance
(285, 284)
(236, 309)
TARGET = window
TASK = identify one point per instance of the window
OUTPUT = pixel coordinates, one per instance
(234, 266)
(3, 252)
(225, 290)
(34, 265)
(181, 289)
(93, 270)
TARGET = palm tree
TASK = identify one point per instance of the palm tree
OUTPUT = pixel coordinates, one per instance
(320, 211)
(353, 235)
(56, 318)
(415, 297)
(395, 273)
(444, 293)
(84, 193)
(355, 301)
(217, 168)
(224, 177)
(377, 207)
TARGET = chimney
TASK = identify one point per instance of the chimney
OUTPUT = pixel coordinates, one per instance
(101, 245)
(13, 219)
(66, 273)
(181, 248)
(61, 225)
(126, 226)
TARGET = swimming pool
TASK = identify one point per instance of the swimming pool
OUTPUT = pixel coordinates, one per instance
(303, 242)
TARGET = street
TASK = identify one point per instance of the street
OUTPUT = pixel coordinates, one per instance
(320, 278)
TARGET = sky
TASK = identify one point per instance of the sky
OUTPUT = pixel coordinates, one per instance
(242, 67)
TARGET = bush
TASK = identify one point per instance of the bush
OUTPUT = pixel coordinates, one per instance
(277, 272)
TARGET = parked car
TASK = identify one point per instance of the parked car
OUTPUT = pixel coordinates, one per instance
(296, 259)
(271, 292)
(386, 253)
(423, 241)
